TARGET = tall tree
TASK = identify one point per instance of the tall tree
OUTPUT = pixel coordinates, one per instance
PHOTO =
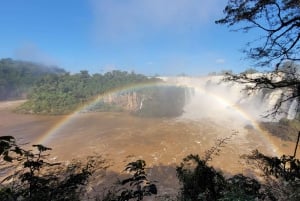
(277, 49)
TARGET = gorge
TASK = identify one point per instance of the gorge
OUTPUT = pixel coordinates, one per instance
(208, 111)
(183, 93)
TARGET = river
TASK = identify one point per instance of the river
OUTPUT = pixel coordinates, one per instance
(122, 138)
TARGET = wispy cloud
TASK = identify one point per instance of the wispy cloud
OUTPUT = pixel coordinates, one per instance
(149, 63)
(116, 18)
(220, 61)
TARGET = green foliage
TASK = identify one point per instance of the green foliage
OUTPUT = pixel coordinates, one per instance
(61, 94)
(240, 187)
(285, 167)
(7, 146)
(135, 187)
(281, 175)
(140, 185)
(202, 182)
(199, 181)
(37, 179)
(18, 77)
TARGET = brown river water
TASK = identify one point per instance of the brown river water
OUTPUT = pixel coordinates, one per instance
(122, 138)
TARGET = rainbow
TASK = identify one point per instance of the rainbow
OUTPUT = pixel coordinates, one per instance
(265, 135)
(68, 119)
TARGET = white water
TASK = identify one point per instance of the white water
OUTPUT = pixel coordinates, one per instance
(226, 106)
(292, 112)
(211, 98)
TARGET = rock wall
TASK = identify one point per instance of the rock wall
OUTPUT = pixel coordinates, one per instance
(206, 94)
(129, 101)
(156, 101)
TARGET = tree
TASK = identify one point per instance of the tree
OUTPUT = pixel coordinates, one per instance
(199, 181)
(281, 175)
(29, 174)
(135, 187)
(276, 50)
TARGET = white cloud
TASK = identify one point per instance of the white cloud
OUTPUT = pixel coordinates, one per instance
(117, 18)
(150, 63)
(220, 61)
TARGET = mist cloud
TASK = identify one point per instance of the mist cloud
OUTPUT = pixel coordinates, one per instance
(31, 52)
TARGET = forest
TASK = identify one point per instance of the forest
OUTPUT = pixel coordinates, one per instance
(61, 94)
(52, 90)
(18, 77)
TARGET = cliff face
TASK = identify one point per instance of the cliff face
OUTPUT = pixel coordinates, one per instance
(158, 101)
(129, 101)
(200, 96)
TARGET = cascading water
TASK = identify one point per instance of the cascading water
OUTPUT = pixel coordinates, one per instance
(208, 97)
(293, 109)
(224, 108)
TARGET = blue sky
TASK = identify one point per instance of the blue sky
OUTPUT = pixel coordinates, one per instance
(165, 37)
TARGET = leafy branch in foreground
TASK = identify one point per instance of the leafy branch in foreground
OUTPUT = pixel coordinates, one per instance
(203, 182)
(7, 146)
(286, 167)
(279, 23)
(32, 177)
(281, 175)
(276, 50)
(199, 181)
(284, 79)
(135, 187)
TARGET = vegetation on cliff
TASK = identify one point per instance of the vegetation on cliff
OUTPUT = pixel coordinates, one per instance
(60, 94)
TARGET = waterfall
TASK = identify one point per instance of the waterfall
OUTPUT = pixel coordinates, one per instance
(293, 109)
(209, 97)
(141, 104)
